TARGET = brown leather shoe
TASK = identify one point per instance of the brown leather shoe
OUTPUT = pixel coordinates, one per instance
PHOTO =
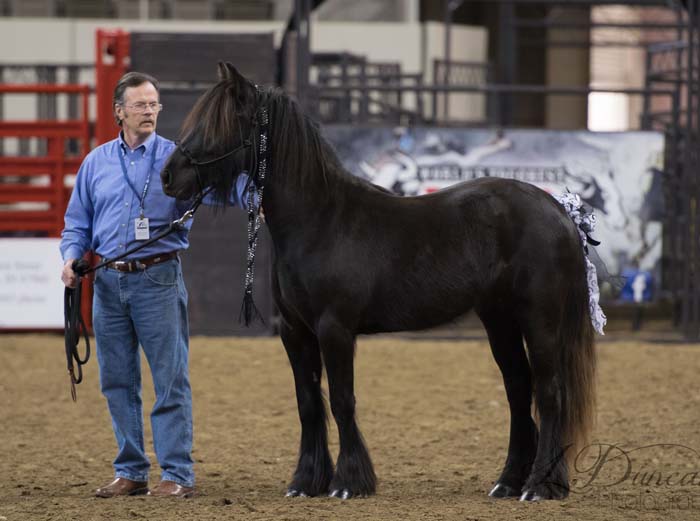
(122, 487)
(171, 489)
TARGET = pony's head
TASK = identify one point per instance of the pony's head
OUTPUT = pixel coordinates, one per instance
(217, 139)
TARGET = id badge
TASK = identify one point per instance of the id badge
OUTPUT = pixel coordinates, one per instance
(141, 231)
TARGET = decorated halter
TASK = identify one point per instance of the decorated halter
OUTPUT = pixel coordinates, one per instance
(259, 164)
(196, 163)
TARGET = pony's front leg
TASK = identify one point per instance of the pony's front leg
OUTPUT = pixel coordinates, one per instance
(354, 474)
(315, 468)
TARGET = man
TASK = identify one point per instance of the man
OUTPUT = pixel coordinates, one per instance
(117, 203)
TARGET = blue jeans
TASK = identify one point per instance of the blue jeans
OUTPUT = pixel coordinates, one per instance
(149, 308)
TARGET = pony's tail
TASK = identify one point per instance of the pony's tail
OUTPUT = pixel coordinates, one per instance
(577, 364)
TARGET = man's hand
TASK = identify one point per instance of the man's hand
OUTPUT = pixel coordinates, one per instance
(68, 276)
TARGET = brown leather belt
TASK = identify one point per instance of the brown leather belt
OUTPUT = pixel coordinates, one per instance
(142, 264)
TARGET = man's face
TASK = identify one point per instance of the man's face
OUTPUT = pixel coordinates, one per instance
(137, 114)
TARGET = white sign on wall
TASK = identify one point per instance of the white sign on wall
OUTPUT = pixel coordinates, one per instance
(31, 291)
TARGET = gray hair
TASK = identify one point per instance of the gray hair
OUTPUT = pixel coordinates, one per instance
(130, 79)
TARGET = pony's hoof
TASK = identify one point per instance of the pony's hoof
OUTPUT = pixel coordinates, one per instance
(292, 492)
(530, 495)
(341, 494)
(544, 491)
(502, 491)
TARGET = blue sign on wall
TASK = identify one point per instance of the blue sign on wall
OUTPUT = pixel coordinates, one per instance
(638, 286)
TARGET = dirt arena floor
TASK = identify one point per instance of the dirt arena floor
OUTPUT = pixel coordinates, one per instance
(433, 413)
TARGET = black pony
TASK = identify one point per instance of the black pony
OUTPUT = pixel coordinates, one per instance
(350, 258)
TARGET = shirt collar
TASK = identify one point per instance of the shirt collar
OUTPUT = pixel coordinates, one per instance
(145, 146)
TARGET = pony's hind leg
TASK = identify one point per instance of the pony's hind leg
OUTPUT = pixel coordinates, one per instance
(549, 478)
(315, 467)
(354, 474)
(508, 350)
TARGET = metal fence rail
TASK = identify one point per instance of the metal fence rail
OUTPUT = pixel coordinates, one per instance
(33, 191)
(676, 65)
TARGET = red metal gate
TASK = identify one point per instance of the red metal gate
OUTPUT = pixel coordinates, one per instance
(34, 190)
(41, 179)
(111, 60)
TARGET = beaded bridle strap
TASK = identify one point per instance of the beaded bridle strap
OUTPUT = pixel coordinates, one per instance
(256, 187)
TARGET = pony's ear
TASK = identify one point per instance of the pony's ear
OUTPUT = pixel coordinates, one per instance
(224, 73)
(227, 72)
(233, 73)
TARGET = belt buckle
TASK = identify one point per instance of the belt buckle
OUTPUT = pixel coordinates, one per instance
(120, 265)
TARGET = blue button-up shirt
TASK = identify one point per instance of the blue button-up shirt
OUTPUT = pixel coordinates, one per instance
(103, 207)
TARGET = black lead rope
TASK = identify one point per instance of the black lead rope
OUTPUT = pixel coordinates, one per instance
(73, 318)
(74, 325)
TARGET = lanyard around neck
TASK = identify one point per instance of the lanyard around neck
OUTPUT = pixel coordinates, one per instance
(142, 198)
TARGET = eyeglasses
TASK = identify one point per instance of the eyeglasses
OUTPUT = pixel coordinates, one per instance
(140, 106)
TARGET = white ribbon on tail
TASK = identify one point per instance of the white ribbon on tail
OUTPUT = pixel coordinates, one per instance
(585, 224)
